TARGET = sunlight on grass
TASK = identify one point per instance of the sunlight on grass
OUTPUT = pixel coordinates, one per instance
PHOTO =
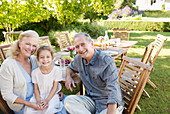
(165, 52)
(166, 66)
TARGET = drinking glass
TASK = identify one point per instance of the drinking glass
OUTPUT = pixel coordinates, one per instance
(62, 63)
(118, 41)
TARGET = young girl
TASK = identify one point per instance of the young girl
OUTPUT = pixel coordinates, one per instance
(46, 80)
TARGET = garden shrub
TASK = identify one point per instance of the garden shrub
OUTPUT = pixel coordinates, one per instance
(138, 25)
(93, 29)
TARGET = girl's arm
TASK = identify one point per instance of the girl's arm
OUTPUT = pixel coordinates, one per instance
(37, 94)
(52, 92)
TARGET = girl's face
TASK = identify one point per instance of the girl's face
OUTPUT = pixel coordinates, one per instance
(28, 46)
(45, 58)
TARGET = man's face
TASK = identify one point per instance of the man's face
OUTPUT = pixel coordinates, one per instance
(84, 48)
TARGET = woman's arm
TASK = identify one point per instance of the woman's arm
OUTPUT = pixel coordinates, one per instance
(7, 77)
(27, 103)
(31, 104)
(51, 94)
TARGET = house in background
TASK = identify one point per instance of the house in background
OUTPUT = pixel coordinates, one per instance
(153, 4)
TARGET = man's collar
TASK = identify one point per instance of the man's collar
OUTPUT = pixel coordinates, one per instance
(94, 57)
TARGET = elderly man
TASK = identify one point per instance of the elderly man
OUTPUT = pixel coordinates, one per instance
(98, 73)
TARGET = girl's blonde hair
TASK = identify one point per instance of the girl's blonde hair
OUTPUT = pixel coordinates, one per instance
(15, 49)
(48, 48)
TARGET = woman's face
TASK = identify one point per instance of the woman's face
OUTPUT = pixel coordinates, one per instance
(28, 46)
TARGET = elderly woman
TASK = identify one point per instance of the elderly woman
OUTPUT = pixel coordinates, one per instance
(15, 72)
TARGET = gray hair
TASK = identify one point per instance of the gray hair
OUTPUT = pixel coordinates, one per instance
(88, 38)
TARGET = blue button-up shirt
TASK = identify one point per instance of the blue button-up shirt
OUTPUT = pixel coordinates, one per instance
(100, 79)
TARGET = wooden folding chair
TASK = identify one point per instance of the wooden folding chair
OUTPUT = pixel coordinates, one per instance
(44, 40)
(63, 40)
(3, 105)
(133, 76)
(3, 51)
(123, 34)
(151, 53)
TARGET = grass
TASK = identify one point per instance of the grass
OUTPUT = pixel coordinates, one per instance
(160, 97)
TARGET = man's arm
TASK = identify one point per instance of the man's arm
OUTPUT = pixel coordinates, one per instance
(112, 84)
(69, 79)
(111, 108)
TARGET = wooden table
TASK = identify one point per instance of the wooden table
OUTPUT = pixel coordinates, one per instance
(119, 50)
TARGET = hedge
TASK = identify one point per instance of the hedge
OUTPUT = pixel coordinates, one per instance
(138, 25)
(157, 14)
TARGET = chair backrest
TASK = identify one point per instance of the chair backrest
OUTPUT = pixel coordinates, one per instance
(147, 54)
(133, 76)
(63, 40)
(44, 40)
(123, 34)
(159, 42)
(3, 51)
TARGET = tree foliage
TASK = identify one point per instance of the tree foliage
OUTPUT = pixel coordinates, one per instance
(94, 8)
(14, 13)
(66, 11)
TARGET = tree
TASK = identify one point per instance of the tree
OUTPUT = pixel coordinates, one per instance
(15, 13)
(98, 7)
(66, 11)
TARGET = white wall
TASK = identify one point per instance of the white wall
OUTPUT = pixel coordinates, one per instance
(146, 5)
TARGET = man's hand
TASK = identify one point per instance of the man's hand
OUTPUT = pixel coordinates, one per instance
(69, 80)
(69, 83)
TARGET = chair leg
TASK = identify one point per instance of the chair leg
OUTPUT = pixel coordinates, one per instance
(146, 93)
(82, 89)
(151, 83)
(138, 107)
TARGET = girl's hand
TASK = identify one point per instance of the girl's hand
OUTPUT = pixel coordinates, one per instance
(39, 104)
(44, 103)
(35, 106)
